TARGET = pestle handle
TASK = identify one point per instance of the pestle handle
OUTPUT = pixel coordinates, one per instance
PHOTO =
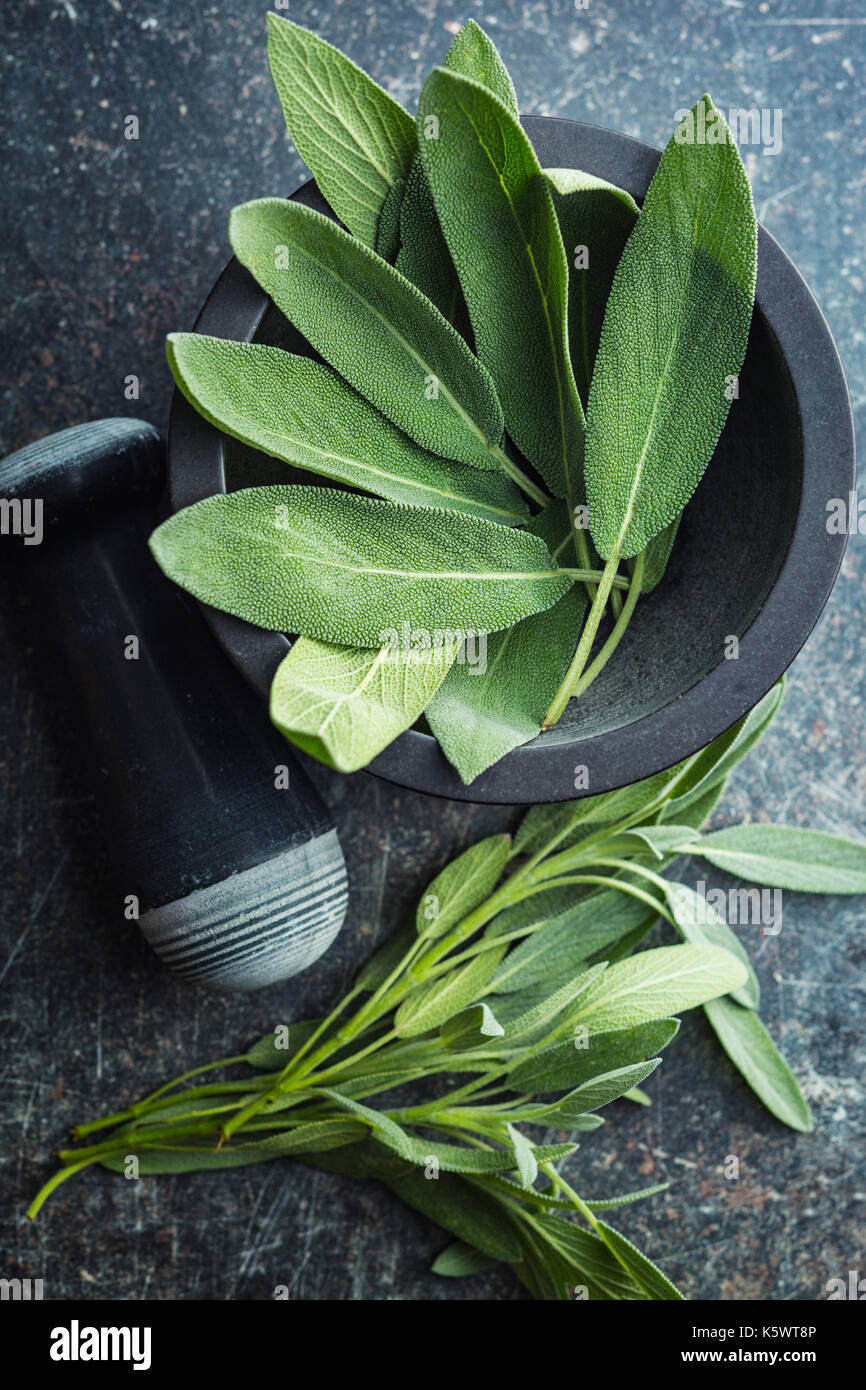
(215, 831)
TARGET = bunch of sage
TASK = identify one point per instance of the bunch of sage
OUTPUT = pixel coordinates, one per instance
(512, 1003)
(530, 420)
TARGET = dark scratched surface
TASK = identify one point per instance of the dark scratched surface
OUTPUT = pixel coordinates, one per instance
(109, 244)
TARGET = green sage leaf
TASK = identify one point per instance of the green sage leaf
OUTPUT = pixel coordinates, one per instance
(432, 1003)
(783, 856)
(373, 326)
(386, 1130)
(646, 1275)
(463, 885)
(458, 1261)
(555, 952)
(388, 228)
(656, 556)
(424, 256)
(590, 1263)
(355, 138)
(595, 219)
(463, 1209)
(343, 705)
(505, 242)
(601, 1090)
(545, 828)
(480, 715)
(527, 1163)
(570, 1063)
(472, 1027)
(753, 1052)
(533, 1021)
(674, 337)
(698, 922)
(365, 1159)
(656, 983)
(626, 1199)
(715, 762)
(473, 54)
(695, 811)
(280, 556)
(660, 841)
(304, 413)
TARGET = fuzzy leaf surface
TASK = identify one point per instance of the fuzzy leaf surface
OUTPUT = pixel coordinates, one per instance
(350, 569)
(302, 412)
(674, 335)
(373, 326)
(357, 140)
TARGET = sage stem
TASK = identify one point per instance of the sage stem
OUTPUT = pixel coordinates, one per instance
(584, 646)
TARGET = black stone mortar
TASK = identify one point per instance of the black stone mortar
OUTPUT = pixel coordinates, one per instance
(753, 558)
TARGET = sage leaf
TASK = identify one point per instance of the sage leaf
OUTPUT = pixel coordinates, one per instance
(660, 841)
(275, 1049)
(540, 1115)
(595, 220)
(343, 705)
(506, 245)
(280, 556)
(430, 1004)
(424, 257)
(753, 1052)
(462, 886)
(458, 1261)
(646, 1275)
(784, 856)
(657, 554)
(527, 1164)
(696, 811)
(601, 1090)
(590, 1262)
(555, 952)
(454, 1158)
(472, 1027)
(388, 227)
(360, 1087)
(479, 716)
(570, 1063)
(355, 138)
(373, 326)
(626, 1199)
(473, 54)
(542, 907)
(656, 983)
(386, 1130)
(534, 1020)
(698, 922)
(466, 1211)
(366, 1159)
(674, 337)
(545, 828)
(301, 411)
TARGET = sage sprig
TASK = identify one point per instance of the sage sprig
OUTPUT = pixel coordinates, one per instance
(492, 1029)
(492, 333)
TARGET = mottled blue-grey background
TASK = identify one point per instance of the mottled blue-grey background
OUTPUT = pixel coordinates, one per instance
(109, 244)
